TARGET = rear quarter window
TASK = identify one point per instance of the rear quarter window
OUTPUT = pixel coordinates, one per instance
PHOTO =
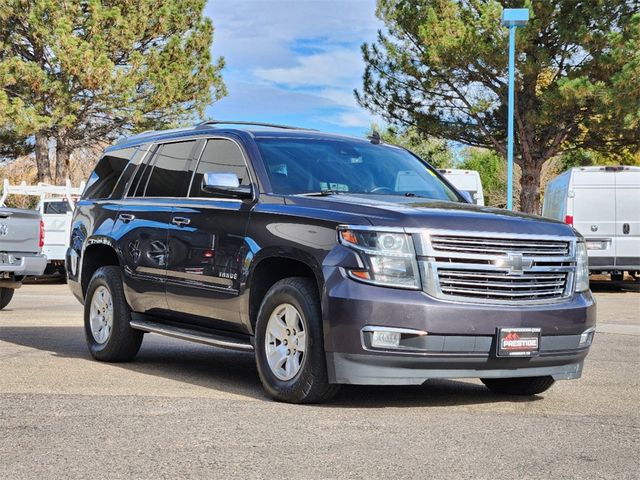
(106, 174)
(120, 187)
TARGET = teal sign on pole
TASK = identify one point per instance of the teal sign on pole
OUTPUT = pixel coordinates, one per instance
(512, 18)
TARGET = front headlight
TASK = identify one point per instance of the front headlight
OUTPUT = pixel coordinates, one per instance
(389, 257)
(582, 267)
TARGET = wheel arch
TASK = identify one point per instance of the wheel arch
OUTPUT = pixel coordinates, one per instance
(269, 269)
(97, 253)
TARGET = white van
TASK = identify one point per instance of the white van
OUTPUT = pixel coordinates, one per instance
(466, 181)
(603, 204)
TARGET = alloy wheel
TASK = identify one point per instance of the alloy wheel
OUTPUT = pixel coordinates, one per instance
(285, 342)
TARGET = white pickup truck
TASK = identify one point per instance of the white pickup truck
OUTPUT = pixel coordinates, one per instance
(21, 241)
(56, 207)
(56, 215)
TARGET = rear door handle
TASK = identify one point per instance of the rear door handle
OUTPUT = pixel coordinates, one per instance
(126, 217)
(181, 221)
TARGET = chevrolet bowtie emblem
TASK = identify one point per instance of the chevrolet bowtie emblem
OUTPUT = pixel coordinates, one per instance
(515, 263)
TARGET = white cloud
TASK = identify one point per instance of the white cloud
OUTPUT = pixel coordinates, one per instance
(355, 118)
(297, 57)
(343, 97)
(259, 33)
(330, 69)
(251, 100)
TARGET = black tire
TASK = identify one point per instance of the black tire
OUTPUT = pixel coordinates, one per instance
(123, 342)
(50, 269)
(310, 384)
(617, 276)
(519, 386)
(6, 294)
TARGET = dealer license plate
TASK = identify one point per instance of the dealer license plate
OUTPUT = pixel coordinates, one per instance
(518, 342)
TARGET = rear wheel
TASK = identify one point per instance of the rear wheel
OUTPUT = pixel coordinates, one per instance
(106, 318)
(617, 276)
(6, 294)
(289, 346)
(519, 386)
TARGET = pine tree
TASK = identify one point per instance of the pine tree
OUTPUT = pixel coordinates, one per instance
(74, 72)
(441, 65)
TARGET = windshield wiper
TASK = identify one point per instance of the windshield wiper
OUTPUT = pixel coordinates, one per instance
(321, 193)
(411, 194)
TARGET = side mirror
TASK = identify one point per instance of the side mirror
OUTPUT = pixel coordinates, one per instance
(466, 196)
(225, 184)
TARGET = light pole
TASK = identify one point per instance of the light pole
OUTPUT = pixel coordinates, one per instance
(512, 18)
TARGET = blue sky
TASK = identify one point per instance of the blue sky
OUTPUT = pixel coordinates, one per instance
(293, 62)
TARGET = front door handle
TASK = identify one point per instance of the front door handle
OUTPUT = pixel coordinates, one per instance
(126, 217)
(181, 221)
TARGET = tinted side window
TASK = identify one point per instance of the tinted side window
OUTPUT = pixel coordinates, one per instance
(166, 174)
(139, 154)
(139, 182)
(220, 156)
(106, 174)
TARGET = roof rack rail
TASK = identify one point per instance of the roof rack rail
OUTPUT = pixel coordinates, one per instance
(209, 123)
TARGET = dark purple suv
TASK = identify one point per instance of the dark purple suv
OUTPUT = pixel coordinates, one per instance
(336, 260)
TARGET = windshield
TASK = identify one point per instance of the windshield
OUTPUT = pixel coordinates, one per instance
(56, 207)
(299, 166)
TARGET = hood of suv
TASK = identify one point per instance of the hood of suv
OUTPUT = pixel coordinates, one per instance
(411, 212)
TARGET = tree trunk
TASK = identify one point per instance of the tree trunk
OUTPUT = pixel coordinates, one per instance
(42, 158)
(530, 186)
(63, 155)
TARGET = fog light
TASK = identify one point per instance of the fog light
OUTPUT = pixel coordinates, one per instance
(388, 337)
(382, 339)
(587, 337)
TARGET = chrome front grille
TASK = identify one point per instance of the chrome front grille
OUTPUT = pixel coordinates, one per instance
(499, 286)
(487, 268)
(499, 246)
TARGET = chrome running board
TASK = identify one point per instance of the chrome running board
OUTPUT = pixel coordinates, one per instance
(206, 338)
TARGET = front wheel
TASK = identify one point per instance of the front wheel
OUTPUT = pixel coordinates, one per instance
(6, 294)
(289, 347)
(519, 386)
(109, 336)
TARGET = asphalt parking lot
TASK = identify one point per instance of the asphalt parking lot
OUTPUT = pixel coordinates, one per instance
(189, 411)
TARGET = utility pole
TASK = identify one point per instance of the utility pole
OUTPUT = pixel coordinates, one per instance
(512, 18)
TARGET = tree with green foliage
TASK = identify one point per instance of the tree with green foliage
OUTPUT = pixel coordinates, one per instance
(493, 173)
(74, 72)
(584, 158)
(441, 65)
(433, 150)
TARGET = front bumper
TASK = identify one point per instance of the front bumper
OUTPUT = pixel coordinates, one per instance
(460, 340)
(370, 369)
(21, 264)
